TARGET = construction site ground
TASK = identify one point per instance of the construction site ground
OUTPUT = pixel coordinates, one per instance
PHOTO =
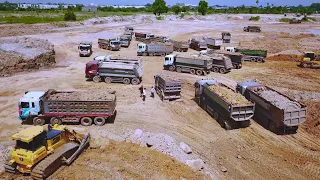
(248, 153)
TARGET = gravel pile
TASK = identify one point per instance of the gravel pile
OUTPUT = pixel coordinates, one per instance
(169, 78)
(229, 95)
(278, 100)
(83, 96)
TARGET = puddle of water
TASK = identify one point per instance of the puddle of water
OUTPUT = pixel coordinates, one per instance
(315, 31)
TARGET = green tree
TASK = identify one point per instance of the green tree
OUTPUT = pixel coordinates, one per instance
(185, 8)
(257, 2)
(203, 7)
(69, 16)
(176, 9)
(159, 6)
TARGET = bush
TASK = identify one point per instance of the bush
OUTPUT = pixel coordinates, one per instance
(70, 16)
(284, 19)
(254, 18)
(159, 18)
(182, 16)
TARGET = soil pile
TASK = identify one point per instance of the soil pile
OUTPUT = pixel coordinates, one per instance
(312, 125)
(285, 57)
(22, 54)
(229, 95)
(83, 96)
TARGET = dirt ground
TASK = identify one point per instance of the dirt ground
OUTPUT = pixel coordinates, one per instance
(248, 153)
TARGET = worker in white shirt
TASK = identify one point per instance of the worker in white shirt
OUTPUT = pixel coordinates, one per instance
(144, 94)
(152, 92)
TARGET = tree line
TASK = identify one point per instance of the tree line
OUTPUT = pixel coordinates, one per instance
(159, 7)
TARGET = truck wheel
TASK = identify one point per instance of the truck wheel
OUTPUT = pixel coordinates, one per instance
(86, 121)
(126, 81)
(135, 81)
(199, 72)
(55, 120)
(234, 66)
(37, 121)
(304, 65)
(215, 69)
(192, 71)
(222, 70)
(172, 68)
(252, 59)
(179, 69)
(96, 79)
(226, 125)
(205, 73)
(108, 80)
(260, 60)
(99, 121)
(239, 66)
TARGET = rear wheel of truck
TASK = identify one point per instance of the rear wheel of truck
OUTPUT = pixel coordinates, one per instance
(126, 81)
(135, 81)
(37, 121)
(108, 80)
(205, 73)
(304, 65)
(235, 66)
(260, 60)
(99, 121)
(55, 120)
(86, 121)
(252, 59)
(222, 70)
(215, 69)
(192, 71)
(199, 72)
(96, 79)
(179, 69)
(172, 68)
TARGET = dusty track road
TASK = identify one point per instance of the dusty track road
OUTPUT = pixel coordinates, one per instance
(249, 153)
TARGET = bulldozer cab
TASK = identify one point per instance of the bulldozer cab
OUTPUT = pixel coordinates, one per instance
(309, 56)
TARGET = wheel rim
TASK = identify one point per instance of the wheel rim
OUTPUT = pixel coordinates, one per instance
(135, 81)
(126, 81)
(192, 71)
(222, 70)
(215, 69)
(199, 72)
(171, 68)
(96, 79)
(108, 80)
(99, 121)
(252, 59)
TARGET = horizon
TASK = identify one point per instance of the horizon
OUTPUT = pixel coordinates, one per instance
(173, 2)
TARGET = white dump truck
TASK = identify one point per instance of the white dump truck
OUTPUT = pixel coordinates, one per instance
(85, 49)
(154, 49)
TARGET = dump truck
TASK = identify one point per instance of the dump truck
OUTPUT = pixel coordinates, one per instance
(115, 69)
(129, 29)
(124, 41)
(236, 58)
(197, 44)
(274, 110)
(183, 62)
(226, 36)
(252, 29)
(220, 63)
(229, 108)
(57, 107)
(180, 46)
(294, 21)
(311, 60)
(141, 36)
(85, 49)
(127, 34)
(253, 55)
(213, 43)
(167, 87)
(110, 44)
(40, 151)
(154, 49)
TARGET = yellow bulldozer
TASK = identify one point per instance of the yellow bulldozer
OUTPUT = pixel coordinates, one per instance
(311, 60)
(41, 150)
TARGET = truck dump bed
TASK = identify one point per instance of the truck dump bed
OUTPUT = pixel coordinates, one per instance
(280, 108)
(81, 103)
(252, 52)
(160, 47)
(238, 107)
(169, 86)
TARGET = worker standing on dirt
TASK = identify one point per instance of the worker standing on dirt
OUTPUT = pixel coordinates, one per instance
(152, 92)
(144, 94)
(141, 90)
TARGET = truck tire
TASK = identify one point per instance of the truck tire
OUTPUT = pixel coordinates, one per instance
(304, 65)
(96, 79)
(172, 68)
(37, 121)
(108, 80)
(235, 66)
(179, 69)
(135, 81)
(215, 69)
(252, 59)
(86, 121)
(192, 71)
(260, 60)
(99, 121)
(55, 120)
(126, 81)
(226, 125)
(222, 70)
(205, 73)
(199, 72)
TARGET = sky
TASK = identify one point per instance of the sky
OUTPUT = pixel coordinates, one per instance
(171, 2)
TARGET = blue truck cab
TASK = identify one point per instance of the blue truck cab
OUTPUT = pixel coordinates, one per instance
(30, 104)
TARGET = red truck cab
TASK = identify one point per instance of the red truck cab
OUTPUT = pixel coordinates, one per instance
(91, 69)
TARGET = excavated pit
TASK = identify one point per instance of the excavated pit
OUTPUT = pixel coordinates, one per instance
(25, 54)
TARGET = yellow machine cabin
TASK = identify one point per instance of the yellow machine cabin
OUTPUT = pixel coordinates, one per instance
(310, 59)
(33, 152)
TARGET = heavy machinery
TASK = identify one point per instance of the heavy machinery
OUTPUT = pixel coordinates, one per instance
(110, 44)
(224, 104)
(124, 41)
(311, 60)
(197, 44)
(252, 29)
(85, 49)
(41, 150)
(226, 36)
(294, 21)
(253, 55)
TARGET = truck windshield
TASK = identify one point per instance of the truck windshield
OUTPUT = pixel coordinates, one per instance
(123, 39)
(166, 59)
(115, 43)
(25, 105)
(84, 48)
(34, 145)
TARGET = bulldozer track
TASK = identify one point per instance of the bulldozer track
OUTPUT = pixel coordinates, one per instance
(9, 168)
(54, 161)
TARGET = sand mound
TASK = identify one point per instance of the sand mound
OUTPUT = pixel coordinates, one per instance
(22, 54)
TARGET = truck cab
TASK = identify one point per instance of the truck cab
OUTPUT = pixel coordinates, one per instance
(241, 88)
(168, 60)
(85, 49)
(199, 87)
(230, 49)
(142, 47)
(30, 105)
(92, 68)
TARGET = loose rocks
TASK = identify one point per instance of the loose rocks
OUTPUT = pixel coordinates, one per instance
(185, 148)
(196, 164)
